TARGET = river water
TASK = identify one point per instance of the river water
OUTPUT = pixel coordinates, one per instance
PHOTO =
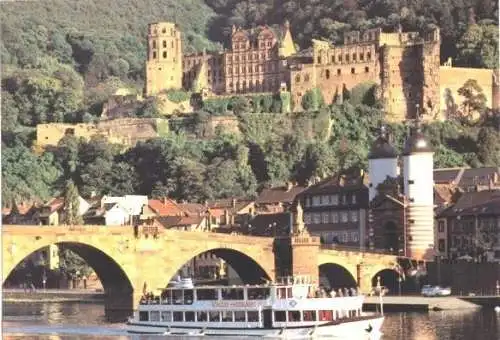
(72, 320)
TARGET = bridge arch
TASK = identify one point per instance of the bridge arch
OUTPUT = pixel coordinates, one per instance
(336, 276)
(389, 278)
(113, 277)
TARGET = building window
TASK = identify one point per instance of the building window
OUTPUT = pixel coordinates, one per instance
(345, 237)
(353, 199)
(353, 70)
(164, 30)
(354, 216)
(319, 60)
(361, 56)
(344, 217)
(355, 236)
(154, 44)
(333, 59)
(441, 226)
(154, 55)
(306, 77)
(347, 57)
(297, 78)
(316, 218)
(307, 218)
(334, 199)
(339, 72)
(367, 69)
(325, 217)
(327, 74)
(316, 201)
(441, 245)
(369, 56)
(164, 55)
(354, 57)
(335, 217)
(164, 44)
(340, 58)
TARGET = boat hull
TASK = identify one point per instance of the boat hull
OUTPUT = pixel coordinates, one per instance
(367, 328)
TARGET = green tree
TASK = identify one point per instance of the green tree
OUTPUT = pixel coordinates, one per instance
(71, 205)
(313, 100)
(478, 46)
(488, 141)
(474, 98)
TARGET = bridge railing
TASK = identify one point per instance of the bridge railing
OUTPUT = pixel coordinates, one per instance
(352, 248)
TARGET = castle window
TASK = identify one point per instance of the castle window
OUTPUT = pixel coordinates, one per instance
(164, 55)
(353, 70)
(369, 55)
(347, 57)
(164, 30)
(319, 60)
(154, 55)
(297, 78)
(340, 58)
(367, 69)
(269, 44)
(339, 72)
(154, 44)
(306, 77)
(354, 57)
(333, 59)
(361, 56)
(327, 74)
(164, 44)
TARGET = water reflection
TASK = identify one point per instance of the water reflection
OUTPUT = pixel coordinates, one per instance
(54, 321)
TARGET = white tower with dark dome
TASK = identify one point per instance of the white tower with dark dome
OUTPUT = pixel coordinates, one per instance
(418, 171)
(382, 162)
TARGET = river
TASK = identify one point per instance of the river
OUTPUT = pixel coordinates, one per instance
(72, 320)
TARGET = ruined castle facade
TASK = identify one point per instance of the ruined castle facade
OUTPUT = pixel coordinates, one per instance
(405, 66)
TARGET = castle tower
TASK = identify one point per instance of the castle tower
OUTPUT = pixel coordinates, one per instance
(430, 59)
(164, 61)
(419, 192)
(382, 162)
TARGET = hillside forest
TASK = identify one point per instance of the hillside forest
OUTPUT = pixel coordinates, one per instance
(62, 59)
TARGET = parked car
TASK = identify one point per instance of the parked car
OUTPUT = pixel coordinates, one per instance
(429, 290)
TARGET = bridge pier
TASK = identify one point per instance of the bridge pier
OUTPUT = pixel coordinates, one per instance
(119, 305)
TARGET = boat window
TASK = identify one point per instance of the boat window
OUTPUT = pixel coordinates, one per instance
(232, 293)
(166, 316)
(188, 296)
(294, 316)
(214, 316)
(258, 293)
(253, 316)
(289, 293)
(177, 296)
(166, 297)
(281, 293)
(143, 316)
(202, 316)
(227, 316)
(178, 316)
(239, 316)
(280, 316)
(154, 315)
(325, 315)
(309, 315)
(206, 294)
(189, 316)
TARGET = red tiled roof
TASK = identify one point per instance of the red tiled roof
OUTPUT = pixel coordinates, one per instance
(192, 208)
(485, 202)
(174, 221)
(165, 207)
(55, 203)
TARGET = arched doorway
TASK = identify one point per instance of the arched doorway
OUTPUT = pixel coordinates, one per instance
(334, 276)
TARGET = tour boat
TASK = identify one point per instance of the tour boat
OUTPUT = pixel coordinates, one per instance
(292, 307)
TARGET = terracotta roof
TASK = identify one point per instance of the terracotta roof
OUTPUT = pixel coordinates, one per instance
(444, 193)
(279, 195)
(442, 176)
(192, 208)
(232, 204)
(465, 177)
(176, 221)
(55, 203)
(165, 207)
(485, 202)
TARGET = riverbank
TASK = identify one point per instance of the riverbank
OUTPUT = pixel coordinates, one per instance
(422, 303)
(53, 295)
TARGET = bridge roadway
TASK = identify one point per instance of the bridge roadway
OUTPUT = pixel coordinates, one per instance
(129, 260)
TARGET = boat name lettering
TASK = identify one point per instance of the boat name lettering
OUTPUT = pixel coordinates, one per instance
(226, 304)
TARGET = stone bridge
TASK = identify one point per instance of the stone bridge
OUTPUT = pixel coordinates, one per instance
(128, 258)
